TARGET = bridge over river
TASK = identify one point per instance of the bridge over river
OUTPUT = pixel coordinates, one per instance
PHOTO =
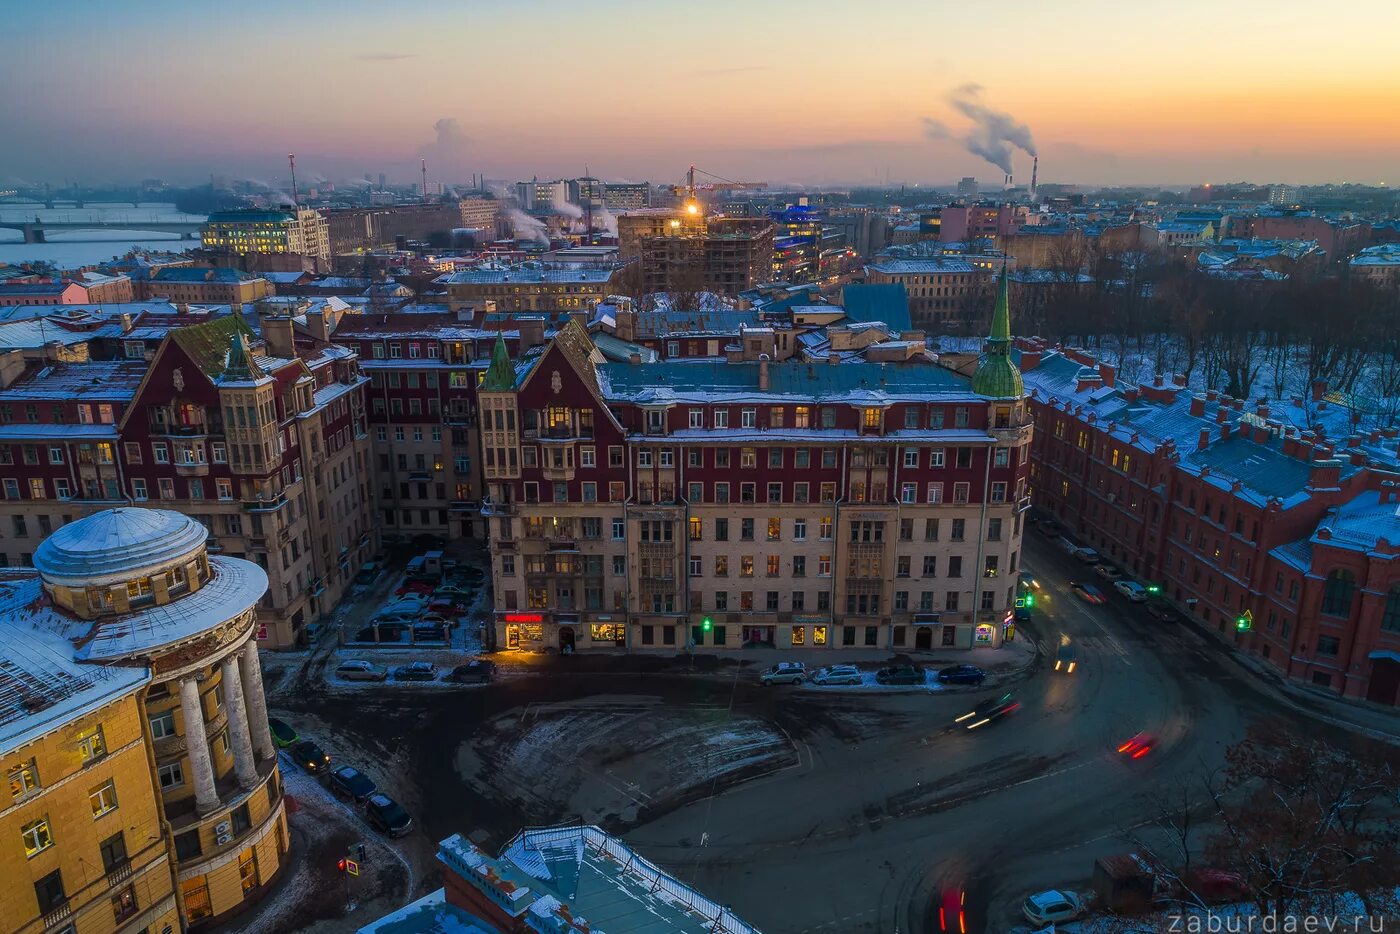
(35, 230)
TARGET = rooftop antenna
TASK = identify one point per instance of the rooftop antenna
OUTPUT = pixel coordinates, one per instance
(292, 161)
(425, 180)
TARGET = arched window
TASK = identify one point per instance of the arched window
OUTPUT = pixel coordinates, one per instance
(1390, 620)
(1337, 595)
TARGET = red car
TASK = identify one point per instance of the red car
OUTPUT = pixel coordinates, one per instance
(952, 919)
(1137, 746)
(414, 587)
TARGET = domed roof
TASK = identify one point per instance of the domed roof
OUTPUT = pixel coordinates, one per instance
(117, 545)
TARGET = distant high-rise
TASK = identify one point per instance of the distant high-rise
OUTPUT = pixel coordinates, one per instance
(626, 196)
(382, 181)
(1283, 196)
(967, 188)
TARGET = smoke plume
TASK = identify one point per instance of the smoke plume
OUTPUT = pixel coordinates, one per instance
(526, 227)
(993, 134)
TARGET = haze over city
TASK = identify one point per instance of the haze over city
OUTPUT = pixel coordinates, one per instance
(810, 92)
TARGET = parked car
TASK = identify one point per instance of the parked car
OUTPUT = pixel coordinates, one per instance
(1067, 656)
(900, 674)
(311, 757)
(395, 618)
(784, 673)
(1162, 612)
(988, 711)
(961, 674)
(1068, 545)
(1049, 528)
(1132, 590)
(836, 674)
(416, 671)
(357, 669)
(1052, 907)
(282, 733)
(350, 783)
(1108, 572)
(369, 573)
(430, 632)
(453, 592)
(476, 671)
(1087, 592)
(385, 815)
(1086, 554)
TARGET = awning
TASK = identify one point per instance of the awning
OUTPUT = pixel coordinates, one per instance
(1385, 653)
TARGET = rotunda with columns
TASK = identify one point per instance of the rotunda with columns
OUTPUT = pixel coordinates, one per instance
(142, 590)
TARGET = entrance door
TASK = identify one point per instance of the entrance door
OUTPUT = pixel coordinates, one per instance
(923, 637)
(566, 638)
(1385, 680)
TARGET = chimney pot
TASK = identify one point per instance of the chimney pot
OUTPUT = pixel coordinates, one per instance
(1204, 440)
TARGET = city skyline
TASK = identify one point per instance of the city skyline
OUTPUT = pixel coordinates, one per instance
(813, 94)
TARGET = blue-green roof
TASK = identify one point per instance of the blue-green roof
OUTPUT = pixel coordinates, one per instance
(887, 302)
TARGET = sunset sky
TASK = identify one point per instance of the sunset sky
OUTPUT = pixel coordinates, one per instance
(809, 90)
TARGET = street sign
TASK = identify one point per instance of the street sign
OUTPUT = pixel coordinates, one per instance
(352, 867)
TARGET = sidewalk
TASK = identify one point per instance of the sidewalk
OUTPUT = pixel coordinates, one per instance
(1382, 723)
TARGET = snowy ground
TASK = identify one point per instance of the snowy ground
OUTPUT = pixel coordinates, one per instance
(610, 759)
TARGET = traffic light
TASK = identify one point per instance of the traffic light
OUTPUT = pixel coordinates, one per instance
(707, 624)
(1243, 624)
(1030, 599)
(341, 864)
(1153, 588)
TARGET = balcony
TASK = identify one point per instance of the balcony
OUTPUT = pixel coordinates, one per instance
(491, 507)
(119, 872)
(58, 913)
(557, 474)
(191, 470)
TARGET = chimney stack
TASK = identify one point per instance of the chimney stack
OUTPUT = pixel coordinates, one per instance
(1203, 441)
(763, 373)
(1198, 405)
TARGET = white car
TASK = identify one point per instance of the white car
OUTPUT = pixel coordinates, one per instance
(1132, 590)
(836, 674)
(1052, 907)
(784, 673)
(1087, 555)
(357, 669)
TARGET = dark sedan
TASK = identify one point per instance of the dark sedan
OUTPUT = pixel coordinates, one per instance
(989, 711)
(386, 816)
(900, 674)
(961, 674)
(476, 671)
(351, 783)
(311, 757)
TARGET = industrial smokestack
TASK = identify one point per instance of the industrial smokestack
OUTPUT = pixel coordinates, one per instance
(425, 180)
(1035, 171)
(292, 161)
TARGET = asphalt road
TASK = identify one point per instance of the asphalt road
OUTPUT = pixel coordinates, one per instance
(887, 803)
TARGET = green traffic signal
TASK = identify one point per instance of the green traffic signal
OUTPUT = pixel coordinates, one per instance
(1030, 599)
(706, 624)
(1242, 624)
(1153, 588)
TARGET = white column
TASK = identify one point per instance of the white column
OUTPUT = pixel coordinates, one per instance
(255, 700)
(206, 796)
(243, 764)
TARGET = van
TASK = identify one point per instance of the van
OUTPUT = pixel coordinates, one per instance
(432, 562)
(368, 573)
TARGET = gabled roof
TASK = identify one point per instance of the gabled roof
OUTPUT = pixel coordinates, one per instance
(207, 344)
(577, 347)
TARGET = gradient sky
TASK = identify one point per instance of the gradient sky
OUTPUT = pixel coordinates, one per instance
(1115, 91)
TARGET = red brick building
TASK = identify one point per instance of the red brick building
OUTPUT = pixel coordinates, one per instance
(1232, 509)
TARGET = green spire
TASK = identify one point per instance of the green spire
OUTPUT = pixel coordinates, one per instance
(500, 376)
(239, 363)
(996, 375)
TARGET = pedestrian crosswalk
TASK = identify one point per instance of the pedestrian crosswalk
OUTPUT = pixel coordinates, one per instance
(1099, 644)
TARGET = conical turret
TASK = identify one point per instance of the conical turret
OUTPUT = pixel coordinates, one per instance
(996, 375)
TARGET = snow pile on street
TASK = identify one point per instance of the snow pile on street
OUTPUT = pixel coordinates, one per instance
(868, 683)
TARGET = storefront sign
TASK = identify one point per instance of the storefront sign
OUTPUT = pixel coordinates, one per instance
(811, 619)
(983, 634)
(524, 618)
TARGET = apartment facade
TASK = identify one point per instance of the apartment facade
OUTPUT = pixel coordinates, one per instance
(142, 760)
(530, 287)
(714, 506)
(299, 232)
(196, 285)
(941, 289)
(268, 450)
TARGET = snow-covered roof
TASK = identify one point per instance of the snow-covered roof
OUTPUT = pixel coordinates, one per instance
(234, 587)
(117, 545)
(79, 382)
(431, 914)
(590, 878)
(42, 685)
(855, 383)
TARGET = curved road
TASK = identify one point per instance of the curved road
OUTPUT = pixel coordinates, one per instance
(889, 804)
(1025, 803)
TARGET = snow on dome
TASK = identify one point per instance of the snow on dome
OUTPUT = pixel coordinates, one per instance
(117, 545)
